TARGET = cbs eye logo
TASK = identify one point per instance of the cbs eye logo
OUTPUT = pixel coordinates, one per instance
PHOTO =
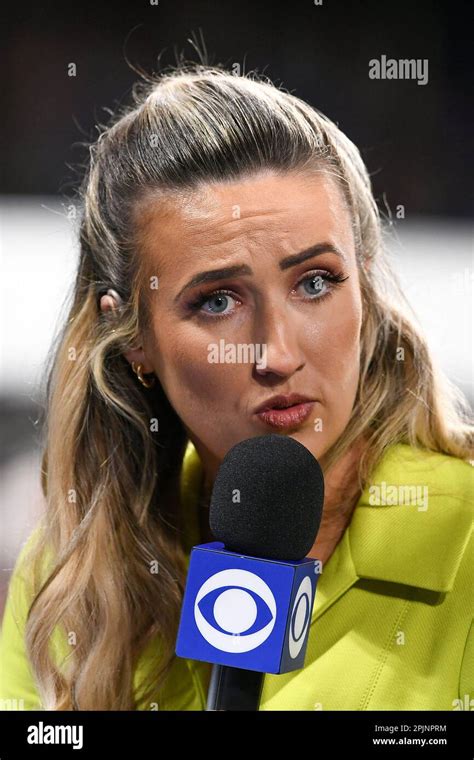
(300, 617)
(235, 611)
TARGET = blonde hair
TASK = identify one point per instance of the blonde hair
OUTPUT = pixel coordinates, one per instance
(111, 484)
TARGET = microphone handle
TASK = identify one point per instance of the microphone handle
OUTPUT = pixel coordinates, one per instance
(234, 688)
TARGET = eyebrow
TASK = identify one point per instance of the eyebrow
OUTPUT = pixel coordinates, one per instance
(243, 269)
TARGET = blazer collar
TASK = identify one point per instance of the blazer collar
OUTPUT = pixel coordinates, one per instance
(413, 521)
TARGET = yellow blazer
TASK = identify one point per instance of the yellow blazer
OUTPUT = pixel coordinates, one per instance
(391, 627)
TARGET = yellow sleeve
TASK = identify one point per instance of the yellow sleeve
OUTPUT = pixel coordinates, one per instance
(17, 685)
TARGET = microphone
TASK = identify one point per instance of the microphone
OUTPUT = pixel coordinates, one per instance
(249, 595)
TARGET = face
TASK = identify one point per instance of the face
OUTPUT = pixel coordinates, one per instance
(285, 319)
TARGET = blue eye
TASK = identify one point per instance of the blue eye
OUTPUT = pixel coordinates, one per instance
(220, 605)
(204, 298)
(219, 296)
(318, 281)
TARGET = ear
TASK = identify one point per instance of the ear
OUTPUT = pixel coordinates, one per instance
(108, 304)
(137, 355)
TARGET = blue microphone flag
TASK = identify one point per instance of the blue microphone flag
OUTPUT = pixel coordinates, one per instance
(246, 612)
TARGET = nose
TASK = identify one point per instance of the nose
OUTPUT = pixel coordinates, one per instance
(281, 351)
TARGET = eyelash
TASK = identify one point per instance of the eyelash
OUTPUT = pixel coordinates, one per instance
(335, 279)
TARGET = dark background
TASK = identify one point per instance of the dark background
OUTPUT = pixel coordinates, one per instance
(414, 138)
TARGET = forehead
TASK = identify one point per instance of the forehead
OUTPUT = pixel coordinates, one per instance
(268, 212)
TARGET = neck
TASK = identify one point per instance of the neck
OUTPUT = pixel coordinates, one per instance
(203, 507)
(341, 494)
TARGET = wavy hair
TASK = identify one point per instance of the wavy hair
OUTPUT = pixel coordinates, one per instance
(111, 483)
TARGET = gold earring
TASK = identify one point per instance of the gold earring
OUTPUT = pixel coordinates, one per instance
(138, 371)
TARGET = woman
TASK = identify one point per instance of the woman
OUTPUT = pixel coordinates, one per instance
(222, 211)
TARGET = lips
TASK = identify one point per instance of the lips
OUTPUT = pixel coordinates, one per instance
(285, 411)
(287, 418)
(283, 401)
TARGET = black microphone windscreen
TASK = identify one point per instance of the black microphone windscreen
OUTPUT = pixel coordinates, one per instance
(267, 499)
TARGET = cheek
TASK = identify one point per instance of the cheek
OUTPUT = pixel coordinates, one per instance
(335, 343)
(188, 378)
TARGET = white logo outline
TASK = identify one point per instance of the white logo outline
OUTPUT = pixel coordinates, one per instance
(228, 642)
